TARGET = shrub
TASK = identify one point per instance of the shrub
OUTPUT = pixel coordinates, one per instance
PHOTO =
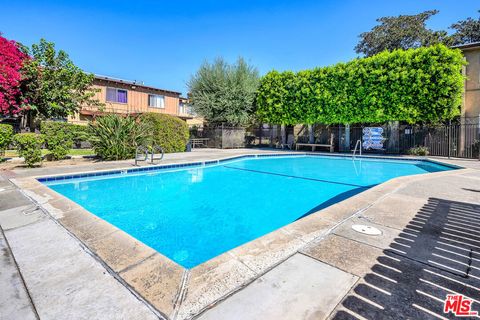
(29, 146)
(6, 135)
(418, 151)
(416, 85)
(225, 93)
(114, 137)
(169, 132)
(58, 138)
(81, 133)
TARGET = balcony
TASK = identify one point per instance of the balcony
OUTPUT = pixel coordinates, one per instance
(186, 111)
(109, 109)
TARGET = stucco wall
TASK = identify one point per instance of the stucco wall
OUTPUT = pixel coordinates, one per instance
(472, 85)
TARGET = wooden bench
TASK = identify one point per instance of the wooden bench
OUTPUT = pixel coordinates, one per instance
(315, 145)
(199, 142)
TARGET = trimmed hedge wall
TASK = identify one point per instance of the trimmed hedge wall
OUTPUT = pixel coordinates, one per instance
(169, 132)
(58, 137)
(416, 85)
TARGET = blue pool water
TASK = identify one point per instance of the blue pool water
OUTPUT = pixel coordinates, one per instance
(194, 214)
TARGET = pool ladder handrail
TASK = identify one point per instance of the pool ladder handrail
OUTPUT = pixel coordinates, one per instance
(141, 151)
(144, 153)
(359, 142)
(156, 149)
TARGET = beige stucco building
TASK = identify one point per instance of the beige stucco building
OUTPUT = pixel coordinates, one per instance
(133, 98)
(471, 101)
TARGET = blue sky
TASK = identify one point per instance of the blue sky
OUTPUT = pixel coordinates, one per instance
(163, 42)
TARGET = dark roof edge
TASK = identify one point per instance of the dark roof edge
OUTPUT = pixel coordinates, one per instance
(133, 83)
(467, 45)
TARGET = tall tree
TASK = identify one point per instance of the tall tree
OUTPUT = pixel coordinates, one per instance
(55, 87)
(401, 32)
(11, 61)
(224, 93)
(466, 31)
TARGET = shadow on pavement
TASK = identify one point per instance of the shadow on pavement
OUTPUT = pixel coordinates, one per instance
(438, 253)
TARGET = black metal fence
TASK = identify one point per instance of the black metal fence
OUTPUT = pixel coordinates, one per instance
(453, 140)
(460, 140)
(221, 137)
(264, 136)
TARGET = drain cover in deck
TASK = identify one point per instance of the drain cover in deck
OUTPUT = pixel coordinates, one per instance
(372, 231)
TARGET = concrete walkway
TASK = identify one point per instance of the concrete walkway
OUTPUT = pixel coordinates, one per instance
(46, 273)
(429, 246)
(62, 279)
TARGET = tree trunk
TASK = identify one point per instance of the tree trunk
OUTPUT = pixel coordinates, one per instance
(283, 133)
(347, 138)
(271, 126)
(311, 136)
(393, 143)
(26, 122)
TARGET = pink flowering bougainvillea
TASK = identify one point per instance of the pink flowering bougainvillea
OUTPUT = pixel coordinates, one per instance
(11, 61)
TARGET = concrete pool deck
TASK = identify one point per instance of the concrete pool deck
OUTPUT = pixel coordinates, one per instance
(316, 269)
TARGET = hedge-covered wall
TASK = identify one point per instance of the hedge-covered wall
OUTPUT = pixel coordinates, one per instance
(416, 85)
(169, 132)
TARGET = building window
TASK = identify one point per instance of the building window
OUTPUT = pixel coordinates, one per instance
(156, 101)
(184, 108)
(116, 95)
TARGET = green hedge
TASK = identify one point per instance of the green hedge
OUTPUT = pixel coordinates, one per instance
(6, 135)
(58, 138)
(169, 132)
(29, 146)
(416, 85)
(81, 133)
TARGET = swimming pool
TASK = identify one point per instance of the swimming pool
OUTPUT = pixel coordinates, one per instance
(193, 213)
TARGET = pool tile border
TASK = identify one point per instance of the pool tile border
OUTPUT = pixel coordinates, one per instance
(178, 293)
(98, 173)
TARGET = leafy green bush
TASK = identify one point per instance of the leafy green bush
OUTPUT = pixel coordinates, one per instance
(6, 135)
(416, 85)
(58, 138)
(29, 146)
(418, 151)
(169, 132)
(114, 137)
(81, 133)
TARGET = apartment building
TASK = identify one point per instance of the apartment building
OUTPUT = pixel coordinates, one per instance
(471, 101)
(133, 98)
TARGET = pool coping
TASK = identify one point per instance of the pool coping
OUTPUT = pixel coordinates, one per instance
(176, 292)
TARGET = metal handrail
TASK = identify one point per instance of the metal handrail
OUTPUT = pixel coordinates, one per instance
(359, 142)
(141, 150)
(156, 148)
(142, 153)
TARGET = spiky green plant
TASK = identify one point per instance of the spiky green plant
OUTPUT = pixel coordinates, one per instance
(114, 137)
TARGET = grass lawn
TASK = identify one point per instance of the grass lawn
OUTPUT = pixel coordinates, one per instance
(72, 152)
